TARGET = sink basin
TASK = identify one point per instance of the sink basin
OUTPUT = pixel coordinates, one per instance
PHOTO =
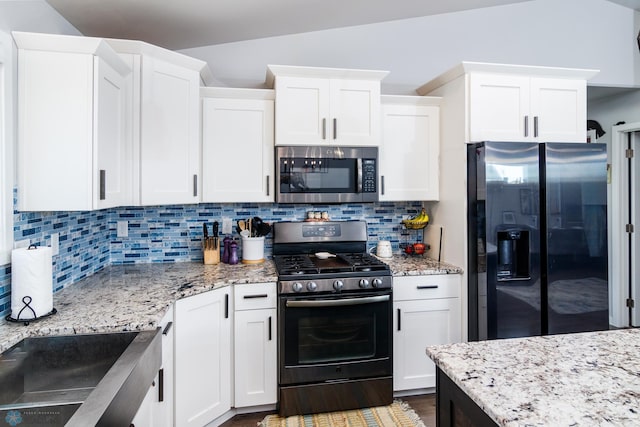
(93, 379)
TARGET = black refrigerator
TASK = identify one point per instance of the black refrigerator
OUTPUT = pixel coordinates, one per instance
(537, 227)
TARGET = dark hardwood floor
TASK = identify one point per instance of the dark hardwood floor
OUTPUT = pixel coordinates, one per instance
(424, 405)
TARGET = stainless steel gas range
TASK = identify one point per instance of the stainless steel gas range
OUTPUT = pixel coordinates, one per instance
(335, 324)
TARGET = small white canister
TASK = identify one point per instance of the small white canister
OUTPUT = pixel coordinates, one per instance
(252, 250)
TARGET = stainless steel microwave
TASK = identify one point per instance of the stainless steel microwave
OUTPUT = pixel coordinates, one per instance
(320, 174)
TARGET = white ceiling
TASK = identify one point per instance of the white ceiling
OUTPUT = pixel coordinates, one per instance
(181, 24)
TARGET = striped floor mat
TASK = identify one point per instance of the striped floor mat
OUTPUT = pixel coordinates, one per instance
(398, 414)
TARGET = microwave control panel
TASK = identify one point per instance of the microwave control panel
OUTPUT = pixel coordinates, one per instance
(369, 176)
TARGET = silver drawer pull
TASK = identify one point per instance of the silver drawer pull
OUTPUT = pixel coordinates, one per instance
(427, 287)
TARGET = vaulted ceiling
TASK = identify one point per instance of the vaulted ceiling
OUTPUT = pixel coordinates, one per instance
(190, 23)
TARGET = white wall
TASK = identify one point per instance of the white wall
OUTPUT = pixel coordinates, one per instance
(569, 33)
(33, 15)
(611, 110)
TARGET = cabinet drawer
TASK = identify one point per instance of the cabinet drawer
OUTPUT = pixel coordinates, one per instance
(255, 296)
(426, 287)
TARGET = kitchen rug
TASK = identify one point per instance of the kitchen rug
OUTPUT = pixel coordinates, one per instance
(398, 414)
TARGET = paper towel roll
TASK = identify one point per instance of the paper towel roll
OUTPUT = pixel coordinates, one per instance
(31, 282)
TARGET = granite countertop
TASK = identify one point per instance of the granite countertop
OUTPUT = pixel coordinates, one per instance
(136, 296)
(583, 379)
(131, 297)
(418, 265)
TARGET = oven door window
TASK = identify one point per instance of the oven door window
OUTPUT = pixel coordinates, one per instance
(317, 335)
(300, 175)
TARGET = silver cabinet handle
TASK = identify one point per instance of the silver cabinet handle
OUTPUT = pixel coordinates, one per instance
(167, 328)
(103, 184)
(268, 184)
(535, 126)
(526, 126)
(195, 185)
(269, 328)
(427, 287)
(324, 128)
(335, 128)
(337, 302)
(382, 184)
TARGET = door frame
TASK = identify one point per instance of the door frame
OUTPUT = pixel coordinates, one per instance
(620, 261)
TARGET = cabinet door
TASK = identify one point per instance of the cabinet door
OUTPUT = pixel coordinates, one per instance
(144, 417)
(559, 106)
(302, 111)
(169, 134)
(164, 397)
(237, 150)
(202, 358)
(409, 152)
(113, 152)
(55, 110)
(354, 112)
(499, 108)
(418, 324)
(255, 357)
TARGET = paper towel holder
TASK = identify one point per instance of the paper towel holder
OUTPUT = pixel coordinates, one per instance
(27, 300)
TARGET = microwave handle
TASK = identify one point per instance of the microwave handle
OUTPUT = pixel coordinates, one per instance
(359, 177)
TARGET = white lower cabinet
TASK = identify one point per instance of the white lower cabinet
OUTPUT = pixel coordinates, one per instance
(427, 311)
(255, 349)
(202, 357)
(156, 410)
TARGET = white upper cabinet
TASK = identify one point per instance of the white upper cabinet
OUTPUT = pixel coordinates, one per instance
(164, 103)
(409, 149)
(237, 125)
(72, 150)
(518, 103)
(316, 106)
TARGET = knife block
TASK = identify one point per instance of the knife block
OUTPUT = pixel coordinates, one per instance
(211, 252)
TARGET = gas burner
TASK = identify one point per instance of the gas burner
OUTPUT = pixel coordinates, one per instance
(351, 270)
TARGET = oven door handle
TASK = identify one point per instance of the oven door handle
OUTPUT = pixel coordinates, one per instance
(338, 302)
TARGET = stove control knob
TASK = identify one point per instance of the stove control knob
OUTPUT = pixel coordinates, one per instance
(311, 286)
(376, 282)
(297, 287)
(364, 283)
(338, 284)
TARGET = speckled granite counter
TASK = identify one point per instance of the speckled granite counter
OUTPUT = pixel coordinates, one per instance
(136, 297)
(417, 265)
(585, 379)
(131, 297)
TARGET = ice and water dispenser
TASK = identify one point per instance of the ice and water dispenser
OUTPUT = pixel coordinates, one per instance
(513, 255)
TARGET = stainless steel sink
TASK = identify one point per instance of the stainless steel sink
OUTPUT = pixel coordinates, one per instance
(78, 380)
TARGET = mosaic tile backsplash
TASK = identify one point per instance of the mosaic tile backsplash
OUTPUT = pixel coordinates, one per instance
(88, 240)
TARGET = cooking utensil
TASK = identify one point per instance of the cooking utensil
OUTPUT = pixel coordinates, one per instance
(215, 235)
(324, 255)
(242, 225)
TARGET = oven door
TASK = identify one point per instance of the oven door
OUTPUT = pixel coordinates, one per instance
(335, 337)
(326, 174)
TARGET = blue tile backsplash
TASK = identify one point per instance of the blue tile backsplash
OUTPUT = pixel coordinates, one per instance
(88, 240)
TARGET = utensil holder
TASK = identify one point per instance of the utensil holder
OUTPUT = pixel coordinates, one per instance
(211, 251)
(252, 250)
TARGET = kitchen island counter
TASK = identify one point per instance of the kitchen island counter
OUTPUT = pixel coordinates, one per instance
(582, 379)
